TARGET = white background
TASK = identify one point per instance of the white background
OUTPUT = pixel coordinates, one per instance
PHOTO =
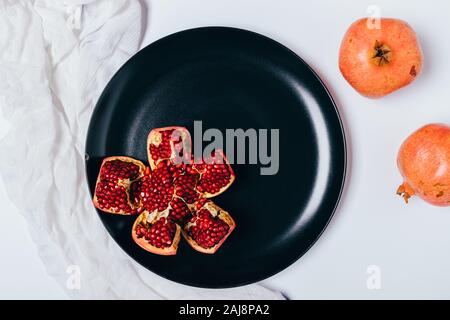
(409, 243)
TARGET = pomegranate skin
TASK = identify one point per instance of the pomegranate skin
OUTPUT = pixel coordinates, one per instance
(424, 163)
(371, 75)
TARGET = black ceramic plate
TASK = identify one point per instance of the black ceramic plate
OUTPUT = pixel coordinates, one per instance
(229, 78)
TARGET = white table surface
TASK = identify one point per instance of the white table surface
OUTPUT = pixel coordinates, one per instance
(410, 244)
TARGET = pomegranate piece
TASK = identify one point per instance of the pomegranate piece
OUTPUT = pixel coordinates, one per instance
(112, 190)
(156, 233)
(185, 187)
(157, 189)
(169, 143)
(208, 228)
(135, 193)
(179, 211)
(424, 162)
(160, 193)
(216, 174)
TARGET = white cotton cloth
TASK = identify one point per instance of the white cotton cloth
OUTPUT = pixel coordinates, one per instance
(55, 58)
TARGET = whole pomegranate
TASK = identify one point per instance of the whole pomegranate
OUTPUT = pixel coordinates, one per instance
(424, 162)
(379, 58)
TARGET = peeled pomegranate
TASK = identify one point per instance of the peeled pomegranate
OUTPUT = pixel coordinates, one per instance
(168, 143)
(208, 228)
(424, 162)
(112, 190)
(156, 233)
(171, 196)
(379, 59)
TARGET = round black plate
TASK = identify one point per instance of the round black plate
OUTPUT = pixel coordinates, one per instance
(229, 78)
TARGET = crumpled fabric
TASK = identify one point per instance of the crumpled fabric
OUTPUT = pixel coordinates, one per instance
(55, 58)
